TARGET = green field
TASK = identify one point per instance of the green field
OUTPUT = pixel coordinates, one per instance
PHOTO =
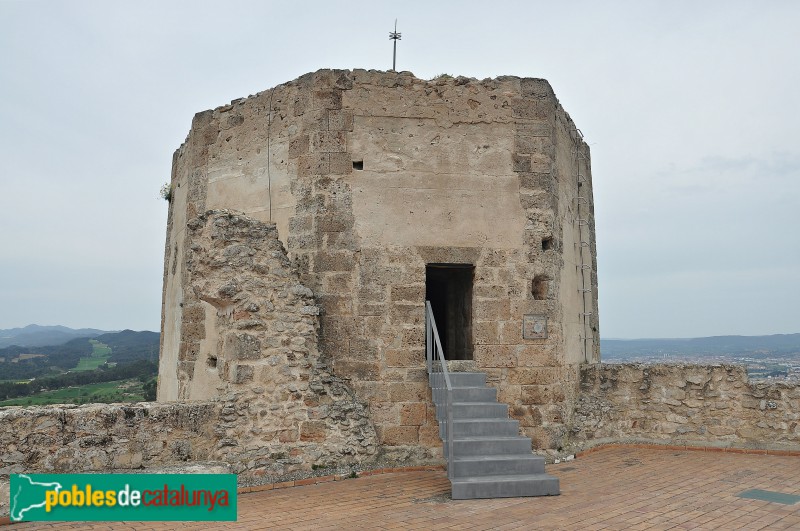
(100, 354)
(118, 391)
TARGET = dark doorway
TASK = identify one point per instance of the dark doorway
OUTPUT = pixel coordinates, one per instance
(449, 288)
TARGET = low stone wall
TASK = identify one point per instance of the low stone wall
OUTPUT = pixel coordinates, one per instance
(205, 436)
(103, 437)
(695, 405)
(63, 439)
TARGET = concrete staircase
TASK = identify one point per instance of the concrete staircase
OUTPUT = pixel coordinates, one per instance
(491, 459)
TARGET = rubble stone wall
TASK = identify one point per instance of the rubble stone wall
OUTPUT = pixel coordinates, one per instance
(278, 409)
(250, 333)
(696, 405)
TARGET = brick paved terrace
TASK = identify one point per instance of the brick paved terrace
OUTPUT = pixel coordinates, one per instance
(612, 488)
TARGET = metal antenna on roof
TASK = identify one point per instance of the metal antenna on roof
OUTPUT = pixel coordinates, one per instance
(394, 36)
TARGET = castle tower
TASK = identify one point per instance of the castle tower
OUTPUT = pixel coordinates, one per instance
(309, 223)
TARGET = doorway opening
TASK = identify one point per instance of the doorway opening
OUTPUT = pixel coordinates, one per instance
(449, 289)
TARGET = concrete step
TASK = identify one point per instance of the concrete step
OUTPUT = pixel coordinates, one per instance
(490, 458)
(498, 465)
(504, 486)
(472, 394)
(466, 379)
(475, 410)
(489, 445)
(487, 427)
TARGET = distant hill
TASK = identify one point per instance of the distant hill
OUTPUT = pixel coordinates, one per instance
(127, 346)
(27, 371)
(41, 336)
(701, 346)
(20, 362)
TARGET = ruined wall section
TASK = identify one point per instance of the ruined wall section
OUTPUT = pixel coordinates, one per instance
(265, 354)
(235, 156)
(277, 409)
(694, 405)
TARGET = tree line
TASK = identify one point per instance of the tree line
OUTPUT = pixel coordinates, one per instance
(145, 370)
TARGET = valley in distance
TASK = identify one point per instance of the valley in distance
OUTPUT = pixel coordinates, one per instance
(59, 365)
(773, 357)
(42, 365)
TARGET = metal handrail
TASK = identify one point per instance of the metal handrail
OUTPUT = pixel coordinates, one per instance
(439, 378)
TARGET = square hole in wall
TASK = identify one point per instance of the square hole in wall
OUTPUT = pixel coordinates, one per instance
(547, 243)
(358, 164)
(540, 287)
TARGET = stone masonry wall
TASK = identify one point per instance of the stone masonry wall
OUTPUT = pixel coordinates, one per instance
(369, 176)
(251, 336)
(452, 171)
(696, 405)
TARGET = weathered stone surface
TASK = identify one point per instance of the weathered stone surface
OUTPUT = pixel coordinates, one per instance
(704, 405)
(356, 169)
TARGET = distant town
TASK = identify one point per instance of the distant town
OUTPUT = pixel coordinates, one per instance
(774, 357)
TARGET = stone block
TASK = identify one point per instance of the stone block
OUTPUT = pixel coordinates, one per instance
(313, 164)
(540, 181)
(510, 332)
(242, 347)
(326, 261)
(340, 120)
(412, 414)
(492, 309)
(541, 394)
(534, 375)
(298, 146)
(536, 88)
(408, 293)
(327, 99)
(337, 283)
(486, 332)
(372, 391)
(488, 291)
(409, 391)
(521, 163)
(541, 163)
(242, 374)
(413, 337)
(404, 357)
(187, 350)
(334, 222)
(534, 144)
(495, 356)
(193, 331)
(290, 435)
(358, 370)
(533, 129)
(407, 313)
(429, 436)
(533, 109)
(336, 304)
(363, 349)
(399, 435)
(371, 309)
(341, 163)
(195, 313)
(328, 142)
(313, 431)
(538, 200)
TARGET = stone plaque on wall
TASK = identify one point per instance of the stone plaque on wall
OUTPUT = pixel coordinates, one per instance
(534, 327)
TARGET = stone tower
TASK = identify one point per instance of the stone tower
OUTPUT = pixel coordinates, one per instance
(309, 223)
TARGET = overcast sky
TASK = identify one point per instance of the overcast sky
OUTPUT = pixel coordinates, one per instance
(692, 111)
